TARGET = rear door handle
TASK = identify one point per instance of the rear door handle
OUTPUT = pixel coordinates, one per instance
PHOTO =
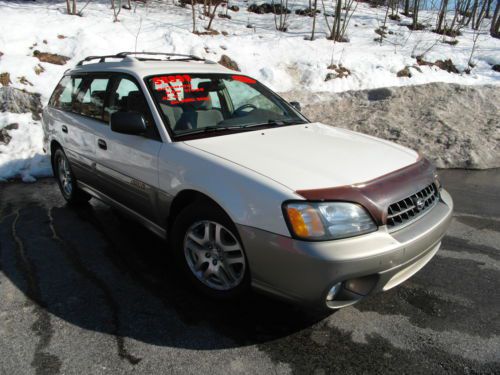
(64, 129)
(102, 144)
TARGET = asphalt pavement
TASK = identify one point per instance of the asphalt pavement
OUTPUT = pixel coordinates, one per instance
(86, 291)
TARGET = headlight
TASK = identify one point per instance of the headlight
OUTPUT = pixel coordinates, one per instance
(327, 220)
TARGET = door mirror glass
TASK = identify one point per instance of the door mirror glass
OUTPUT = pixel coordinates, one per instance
(128, 123)
(296, 105)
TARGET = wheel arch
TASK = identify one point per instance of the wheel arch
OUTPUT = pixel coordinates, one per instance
(54, 145)
(187, 197)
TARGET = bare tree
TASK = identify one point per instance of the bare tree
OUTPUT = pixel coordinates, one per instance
(281, 14)
(471, 13)
(441, 20)
(479, 15)
(475, 37)
(314, 17)
(488, 8)
(406, 10)
(341, 19)
(211, 12)
(416, 9)
(459, 18)
(115, 11)
(71, 7)
(495, 22)
(193, 11)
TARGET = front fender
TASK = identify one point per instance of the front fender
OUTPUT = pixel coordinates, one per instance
(247, 197)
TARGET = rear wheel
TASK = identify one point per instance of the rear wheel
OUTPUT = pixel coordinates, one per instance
(210, 252)
(66, 179)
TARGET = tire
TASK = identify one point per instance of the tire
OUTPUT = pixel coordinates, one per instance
(68, 184)
(216, 265)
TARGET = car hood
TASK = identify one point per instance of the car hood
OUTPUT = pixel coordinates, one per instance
(310, 156)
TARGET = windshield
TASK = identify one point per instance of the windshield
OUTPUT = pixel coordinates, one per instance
(205, 103)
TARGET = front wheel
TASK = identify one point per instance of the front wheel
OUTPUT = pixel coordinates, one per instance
(66, 179)
(210, 253)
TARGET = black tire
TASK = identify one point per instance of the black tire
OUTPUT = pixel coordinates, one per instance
(74, 196)
(198, 212)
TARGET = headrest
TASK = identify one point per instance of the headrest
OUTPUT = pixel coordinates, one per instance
(209, 86)
(135, 101)
(98, 96)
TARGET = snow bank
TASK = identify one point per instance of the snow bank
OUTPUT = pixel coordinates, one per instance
(455, 126)
(23, 156)
(283, 61)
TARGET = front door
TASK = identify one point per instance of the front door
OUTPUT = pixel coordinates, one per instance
(127, 165)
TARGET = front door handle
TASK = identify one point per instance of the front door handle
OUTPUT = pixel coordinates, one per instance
(102, 144)
(64, 129)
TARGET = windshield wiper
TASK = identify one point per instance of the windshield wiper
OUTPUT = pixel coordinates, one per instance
(208, 129)
(211, 129)
(275, 122)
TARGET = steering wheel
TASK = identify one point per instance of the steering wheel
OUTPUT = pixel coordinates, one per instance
(240, 109)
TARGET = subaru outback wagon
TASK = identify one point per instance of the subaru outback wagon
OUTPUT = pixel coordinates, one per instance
(245, 189)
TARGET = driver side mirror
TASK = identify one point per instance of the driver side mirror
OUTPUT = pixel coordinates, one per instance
(296, 105)
(128, 123)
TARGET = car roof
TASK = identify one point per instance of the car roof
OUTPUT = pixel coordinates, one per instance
(146, 67)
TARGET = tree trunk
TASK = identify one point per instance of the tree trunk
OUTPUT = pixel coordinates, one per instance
(464, 10)
(407, 7)
(336, 23)
(212, 15)
(68, 7)
(441, 17)
(495, 22)
(314, 18)
(74, 7)
(488, 8)
(416, 5)
(472, 13)
(476, 22)
(194, 15)
(386, 15)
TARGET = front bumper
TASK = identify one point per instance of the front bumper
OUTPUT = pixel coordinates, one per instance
(305, 271)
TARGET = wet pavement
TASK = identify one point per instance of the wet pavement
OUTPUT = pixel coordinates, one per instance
(86, 291)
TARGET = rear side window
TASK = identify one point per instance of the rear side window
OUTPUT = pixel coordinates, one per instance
(90, 98)
(65, 93)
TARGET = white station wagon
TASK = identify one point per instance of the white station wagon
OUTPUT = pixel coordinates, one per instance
(246, 190)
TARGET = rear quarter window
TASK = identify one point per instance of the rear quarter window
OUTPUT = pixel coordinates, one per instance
(65, 93)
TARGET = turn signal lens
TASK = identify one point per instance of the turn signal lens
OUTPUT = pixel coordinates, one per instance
(305, 221)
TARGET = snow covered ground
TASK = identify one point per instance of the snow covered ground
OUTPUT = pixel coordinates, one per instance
(284, 61)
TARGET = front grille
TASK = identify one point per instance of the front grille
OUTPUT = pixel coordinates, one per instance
(410, 208)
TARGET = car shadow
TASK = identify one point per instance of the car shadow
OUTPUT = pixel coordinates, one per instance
(100, 271)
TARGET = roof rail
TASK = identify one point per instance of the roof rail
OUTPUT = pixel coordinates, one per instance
(168, 57)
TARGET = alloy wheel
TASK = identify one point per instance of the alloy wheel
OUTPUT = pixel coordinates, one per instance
(214, 255)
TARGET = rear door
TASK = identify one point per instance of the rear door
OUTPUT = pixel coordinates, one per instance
(127, 165)
(71, 130)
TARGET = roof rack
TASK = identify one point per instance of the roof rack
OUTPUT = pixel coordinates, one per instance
(132, 55)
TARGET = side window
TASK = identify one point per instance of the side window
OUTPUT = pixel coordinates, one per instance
(65, 93)
(90, 100)
(127, 96)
